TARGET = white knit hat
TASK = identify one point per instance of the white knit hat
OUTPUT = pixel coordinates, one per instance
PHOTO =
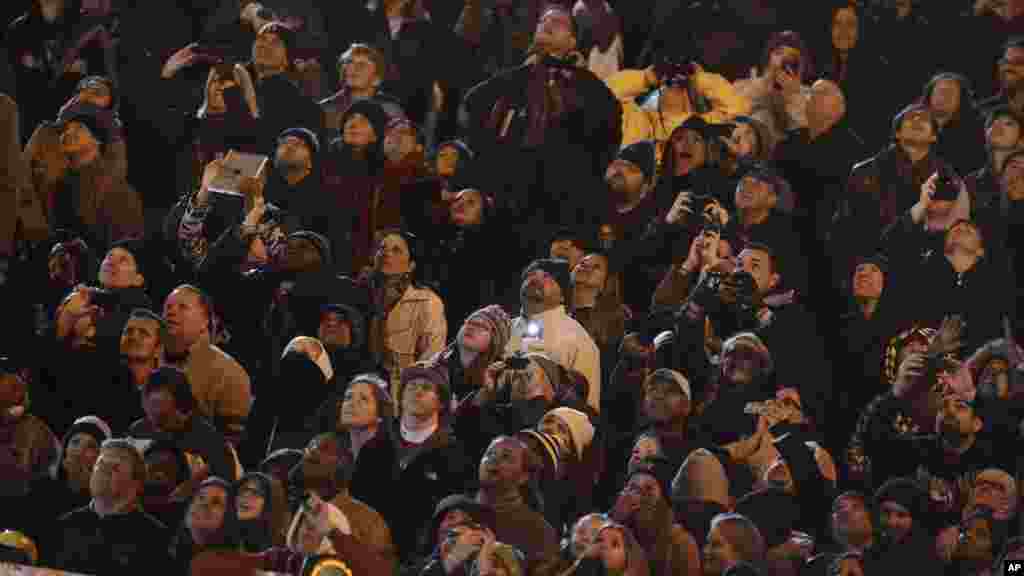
(580, 428)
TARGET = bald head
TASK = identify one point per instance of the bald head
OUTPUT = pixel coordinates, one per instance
(826, 106)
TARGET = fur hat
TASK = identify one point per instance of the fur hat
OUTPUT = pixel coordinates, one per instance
(580, 428)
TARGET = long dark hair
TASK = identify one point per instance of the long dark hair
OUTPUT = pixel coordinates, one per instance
(608, 322)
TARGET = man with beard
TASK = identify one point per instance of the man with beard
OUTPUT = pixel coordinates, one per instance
(112, 534)
(545, 284)
(643, 507)
(947, 461)
(1011, 79)
(503, 477)
(632, 206)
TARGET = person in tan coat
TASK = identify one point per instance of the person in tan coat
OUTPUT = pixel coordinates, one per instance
(408, 323)
(21, 212)
(220, 385)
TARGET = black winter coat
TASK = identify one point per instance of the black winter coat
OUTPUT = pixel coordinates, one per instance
(123, 544)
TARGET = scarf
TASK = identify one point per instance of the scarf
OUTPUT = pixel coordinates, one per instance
(550, 93)
(416, 436)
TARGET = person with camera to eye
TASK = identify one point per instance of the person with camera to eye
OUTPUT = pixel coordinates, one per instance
(670, 92)
(937, 249)
(778, 94)
(517, 391)
(743, 296)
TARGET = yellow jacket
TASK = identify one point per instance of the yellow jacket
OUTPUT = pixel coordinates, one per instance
(646, 123)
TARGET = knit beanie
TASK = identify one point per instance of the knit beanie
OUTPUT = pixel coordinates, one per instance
(436, 374)
(499, 323)
(545, 445)
(660, 469)
(305, 135)
(767, 364)
(670, 376)
(374, 114)
(913, 108)
(320, 242)
(580, 428)
(91, 425)
(92, 117)
(556, 268)
(907, 494)
(139, 251)
(642, 155)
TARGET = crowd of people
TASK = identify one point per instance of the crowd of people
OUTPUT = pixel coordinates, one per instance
(482, 287)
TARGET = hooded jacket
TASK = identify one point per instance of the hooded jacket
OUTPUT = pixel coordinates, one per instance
(268, 530)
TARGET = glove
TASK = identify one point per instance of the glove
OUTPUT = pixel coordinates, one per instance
(705, 294)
